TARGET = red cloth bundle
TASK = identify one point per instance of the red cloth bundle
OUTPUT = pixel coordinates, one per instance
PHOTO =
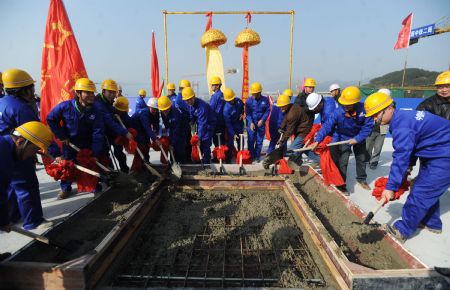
(380, 186)
(284, 167)
(310, 137)
(165, 143)
(219, 152)
(138, 164)
(62, 171)
(129, 145)
(246, 157)
(86, 182)
(195, 154)
(330, 172)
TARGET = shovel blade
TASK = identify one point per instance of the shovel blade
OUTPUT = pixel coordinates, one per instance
(273, 157)
(176, 170)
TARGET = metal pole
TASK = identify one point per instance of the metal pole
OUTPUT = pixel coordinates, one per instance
(404, 68)
(228, 12)
(290, 48)
(166, 51)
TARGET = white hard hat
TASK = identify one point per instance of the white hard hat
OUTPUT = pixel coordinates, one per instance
(385, 91)
(313, 100)
(334, 87)
(119, 87)
(153, 103)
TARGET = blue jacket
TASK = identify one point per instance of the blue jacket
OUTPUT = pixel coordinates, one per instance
(217, 103)
(112, 126)
(205, 117)
(329, 106)
(177, 100)
(13, 113)
(232, 115)
(176, 122)
(256, 110)
(7, 152)
(276, 118)
(142, 124)
(84, 128)
(140, 104)
(416, 134)
(358, 127)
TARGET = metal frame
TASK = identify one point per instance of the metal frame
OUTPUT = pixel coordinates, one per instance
(291, 13)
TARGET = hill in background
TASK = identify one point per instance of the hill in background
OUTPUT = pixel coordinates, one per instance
(413, 77)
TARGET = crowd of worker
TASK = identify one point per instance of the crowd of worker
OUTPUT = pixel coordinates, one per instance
(93, 122)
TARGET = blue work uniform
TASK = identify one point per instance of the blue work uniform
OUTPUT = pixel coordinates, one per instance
(255, 111)
(23, 193)
(176, 122)
(7, 151)
(140, 104)
(233, 123)
(142, 124)
(275, 120)
(348, 126)
(217, 104)
(83, 127)
(420, 134)
(201, 113)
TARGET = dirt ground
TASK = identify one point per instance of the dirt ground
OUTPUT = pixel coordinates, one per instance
(85, 230)
(362, 244)
(227, 234)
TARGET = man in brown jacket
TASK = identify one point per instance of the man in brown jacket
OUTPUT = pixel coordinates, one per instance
(295, 122)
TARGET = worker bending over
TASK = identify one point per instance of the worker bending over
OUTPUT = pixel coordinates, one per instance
(233, 114)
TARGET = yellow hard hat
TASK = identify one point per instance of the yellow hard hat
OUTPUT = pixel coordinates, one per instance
(164, 103)
(288, 92)
(16, 78)
(142, 92)
(171, 86)
(349, 96)
(228, 94)
(37, 133)
(443, 78)
(187, 93)
(215, 80)
(376, 102)
(283, 100)
(85, 84)
(185, 84)
(121, 104)
(310, 82)
(255, 88)
(109, 85)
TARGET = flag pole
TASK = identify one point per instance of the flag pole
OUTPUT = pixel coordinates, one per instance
(407, 49)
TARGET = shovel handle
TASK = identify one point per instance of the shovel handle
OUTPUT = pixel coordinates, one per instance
(372, 213)
(32, 235)
(79, 167)
(338, 143)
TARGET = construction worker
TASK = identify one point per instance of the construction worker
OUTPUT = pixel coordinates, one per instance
(317, 104)
(119, 91)
(180, 104)
(375, 141)
(308, 88)
(104, 103)
(275, 120)
(176, 122)
(439, 103)
(257, 109)
(171, 91)
(295, 122)
(2, 93)
(415, 135)
(22, 144)
(15, 110)
(217, 103)
(335, 91)
(121, 106)
(152, 105)
(233, 115)
(349, 123)
(78, 122)
(140, 102)
(202, 114)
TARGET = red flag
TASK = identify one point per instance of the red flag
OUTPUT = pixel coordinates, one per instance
(403, 35)
(209, 23)
(156, 90)
(62, 63)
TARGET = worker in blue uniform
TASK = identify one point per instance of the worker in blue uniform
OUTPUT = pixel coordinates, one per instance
(140, 101)
(257, 109)
(325, 107)
(176, 122)
(22, 144)
(415, 135)
(183, 106)
(217, 103)
(202, 114)
(79, 122)
(275, 120)
(171, 94)
(233, 114)
(348, 123)
(15, 110)
(104, 103)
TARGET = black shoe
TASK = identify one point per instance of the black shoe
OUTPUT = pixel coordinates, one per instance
(394, 232)
(343, 189)
(373, 166)
(364, 185)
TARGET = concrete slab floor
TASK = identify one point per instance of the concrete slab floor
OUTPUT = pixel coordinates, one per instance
(431, 248)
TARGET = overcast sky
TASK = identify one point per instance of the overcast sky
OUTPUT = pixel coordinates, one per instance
(333, 40)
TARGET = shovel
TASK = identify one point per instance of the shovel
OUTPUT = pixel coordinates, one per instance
(273, 156)
(106, 169)
(38, 238)
(241, 164)
(221, 169)
(372, 213)
(174, 167)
